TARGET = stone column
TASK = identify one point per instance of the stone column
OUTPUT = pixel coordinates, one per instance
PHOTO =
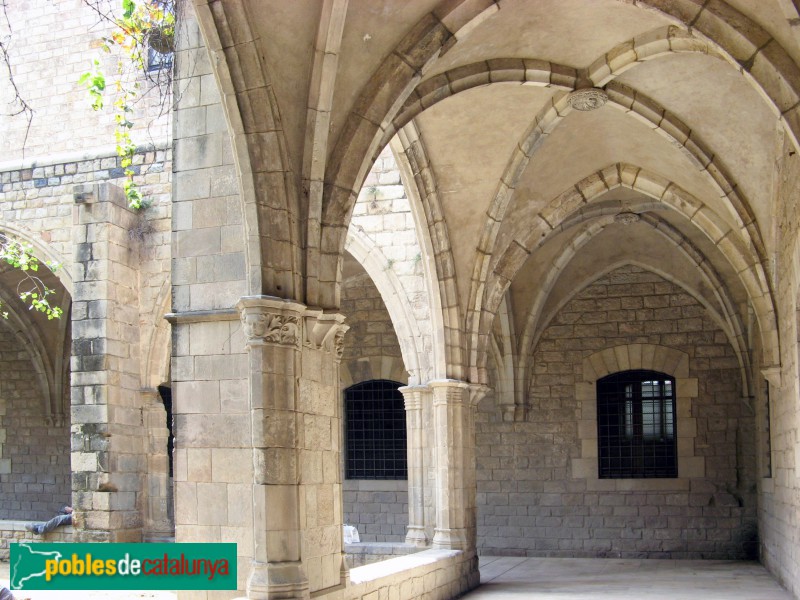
(320, 409)
(414, 399)
(454, 405)
(106, 412)
(295, 411)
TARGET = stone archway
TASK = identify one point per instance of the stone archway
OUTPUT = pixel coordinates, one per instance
(35, 353)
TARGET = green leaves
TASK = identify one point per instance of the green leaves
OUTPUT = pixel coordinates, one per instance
(129, 6)
(95, 82)
(31, 289)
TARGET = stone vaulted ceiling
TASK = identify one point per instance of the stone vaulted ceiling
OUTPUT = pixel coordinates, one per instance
(673, 169)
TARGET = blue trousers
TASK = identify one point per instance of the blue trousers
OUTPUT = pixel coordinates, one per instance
(57, 521)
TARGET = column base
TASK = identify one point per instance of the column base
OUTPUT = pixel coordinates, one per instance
(450, 539)
(415, 535)
(277, 581)
(344, 571)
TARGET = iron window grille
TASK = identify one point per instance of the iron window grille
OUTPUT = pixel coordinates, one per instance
(375, 431)
(636, 425)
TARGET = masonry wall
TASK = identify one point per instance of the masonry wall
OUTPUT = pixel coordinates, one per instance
(532, 501)
(50, 45)
(35, 482)
(779, 501)
(212, 423)
(39, 199)
(378, 509)
(371, 347)
(54, 179)
(383, 219)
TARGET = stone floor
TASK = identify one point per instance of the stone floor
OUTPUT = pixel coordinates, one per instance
(598, 578)
(568, 579)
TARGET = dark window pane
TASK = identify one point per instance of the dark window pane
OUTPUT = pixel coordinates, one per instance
(375, 431)
(636, 425)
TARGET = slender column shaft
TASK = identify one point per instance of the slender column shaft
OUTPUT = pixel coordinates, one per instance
(454, 423)
(414, 398)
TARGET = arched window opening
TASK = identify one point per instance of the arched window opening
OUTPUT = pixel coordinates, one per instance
(636, 425)
(375, 431)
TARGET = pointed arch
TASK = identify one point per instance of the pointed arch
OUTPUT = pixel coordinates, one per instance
(748, 47)
(423, 194)
(369, 256)
(566, 211)
(368, 127)
(42, 250)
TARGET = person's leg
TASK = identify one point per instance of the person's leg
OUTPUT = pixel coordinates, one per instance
(57, 521)
(34, 527)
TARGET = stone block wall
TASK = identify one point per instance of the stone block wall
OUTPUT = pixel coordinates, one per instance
(431, 574)
(55, 186)
(34, 455)
(213, 460)
(371, 347)
(213, 466)
(378, 509)
(779, 501)
(12, 532)
(532, 501)
(50, 45)
(208, 236)
(383, 219)
(383, 212)
(39, 196)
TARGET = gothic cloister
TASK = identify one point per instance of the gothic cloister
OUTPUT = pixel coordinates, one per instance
(506, 278)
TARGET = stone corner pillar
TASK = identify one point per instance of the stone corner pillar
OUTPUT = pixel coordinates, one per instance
(294, 355)
(107, 447)
(454, 404)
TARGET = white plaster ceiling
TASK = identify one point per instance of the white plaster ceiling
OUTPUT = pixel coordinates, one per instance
(724, 109)
(469, 138)
(569, 32)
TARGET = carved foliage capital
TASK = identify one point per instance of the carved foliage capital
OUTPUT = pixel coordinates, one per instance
(274, 321)
(270, 322)
(325, 331)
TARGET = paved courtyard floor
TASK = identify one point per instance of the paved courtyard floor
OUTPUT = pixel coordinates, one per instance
(509, 578)
(506, 578)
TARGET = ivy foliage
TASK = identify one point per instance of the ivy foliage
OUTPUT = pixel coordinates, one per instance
(141, 25)
(30, 289)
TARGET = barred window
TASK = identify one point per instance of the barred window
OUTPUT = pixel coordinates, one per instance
(636, 425)
(375, 431)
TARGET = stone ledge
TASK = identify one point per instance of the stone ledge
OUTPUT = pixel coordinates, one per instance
(434, 574)
(12, 531)
(360, 554)
(426, 560)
